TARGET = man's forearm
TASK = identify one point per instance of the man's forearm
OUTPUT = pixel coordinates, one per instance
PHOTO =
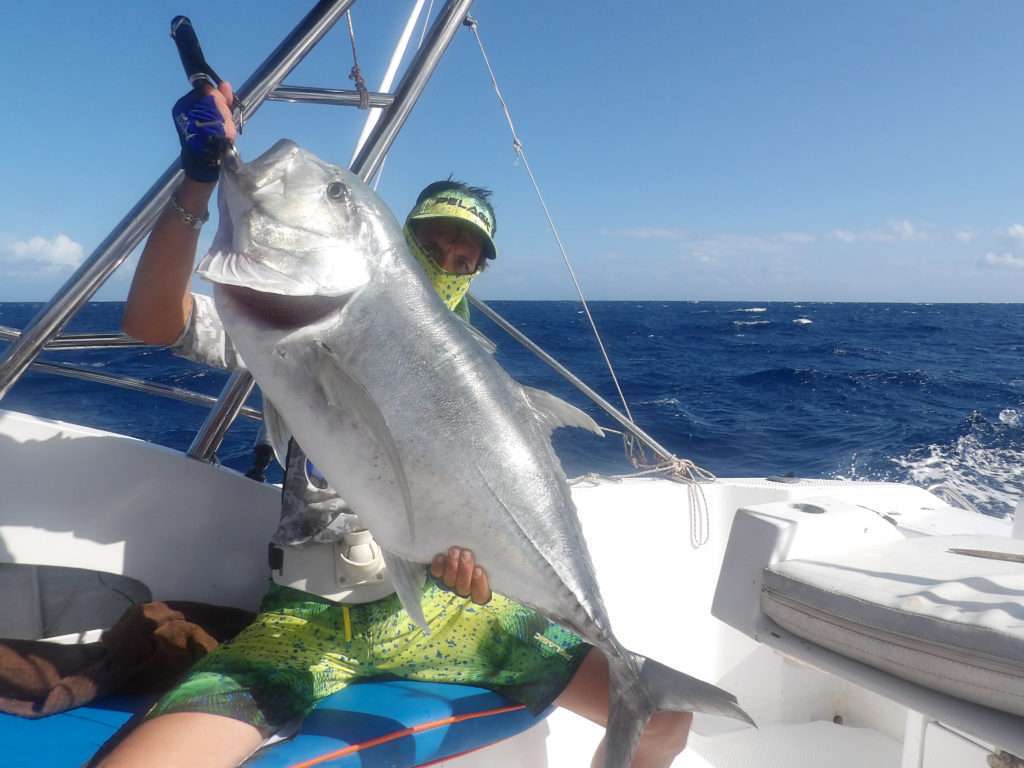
(160, 301)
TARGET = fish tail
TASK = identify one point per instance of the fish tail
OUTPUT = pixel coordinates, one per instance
(639, 687)
(629, 709)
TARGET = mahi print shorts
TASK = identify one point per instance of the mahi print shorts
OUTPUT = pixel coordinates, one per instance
(302, 648)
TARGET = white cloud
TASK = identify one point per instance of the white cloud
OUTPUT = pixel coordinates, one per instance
(711, 248)
(796, 238)
(1003, 260)
(904, 230)
(900, 230)
(707, 249)
(650, 233)
(61, 253)
(1016, 231)
(965, 236)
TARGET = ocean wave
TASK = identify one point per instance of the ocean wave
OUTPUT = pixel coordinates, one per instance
(1010, 417)
(751, 309)
(671, 402)
(802, 321)
(922, 328)
(742, 323)
(986, 466)
(830, 381)
(778, 376)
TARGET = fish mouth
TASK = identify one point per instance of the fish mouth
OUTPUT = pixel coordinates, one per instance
(278, 310)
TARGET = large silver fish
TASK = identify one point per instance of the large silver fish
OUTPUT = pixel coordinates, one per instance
(407, 413)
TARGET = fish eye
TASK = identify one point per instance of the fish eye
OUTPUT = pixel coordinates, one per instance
(337, 191)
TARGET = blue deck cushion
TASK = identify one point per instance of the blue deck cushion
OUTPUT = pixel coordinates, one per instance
(395, 723)
(68, 739)
(369, 724)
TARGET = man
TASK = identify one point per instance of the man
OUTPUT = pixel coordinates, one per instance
(321, 625)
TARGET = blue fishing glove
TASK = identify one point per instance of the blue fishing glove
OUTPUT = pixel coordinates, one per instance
(201, 133)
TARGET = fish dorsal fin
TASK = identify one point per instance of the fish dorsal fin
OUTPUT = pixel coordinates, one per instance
(408, 579)
(277, 431)
(554, 412)
(488, 346)
(344, 393)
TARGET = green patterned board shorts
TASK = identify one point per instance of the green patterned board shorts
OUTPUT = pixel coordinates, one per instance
(302, 648)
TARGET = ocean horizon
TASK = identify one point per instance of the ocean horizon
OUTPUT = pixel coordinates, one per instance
(929, 393)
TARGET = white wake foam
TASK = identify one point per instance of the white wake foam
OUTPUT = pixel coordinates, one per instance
(991, 478)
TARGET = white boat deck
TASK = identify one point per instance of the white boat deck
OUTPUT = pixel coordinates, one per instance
(85, 498)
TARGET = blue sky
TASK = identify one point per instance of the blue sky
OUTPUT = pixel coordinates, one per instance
(735, 151)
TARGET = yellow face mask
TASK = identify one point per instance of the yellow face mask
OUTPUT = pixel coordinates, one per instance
(450, 287)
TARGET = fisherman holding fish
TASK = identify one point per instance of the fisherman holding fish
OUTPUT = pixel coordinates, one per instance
(331, 616)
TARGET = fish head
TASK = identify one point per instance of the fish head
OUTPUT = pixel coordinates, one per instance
(293, 225)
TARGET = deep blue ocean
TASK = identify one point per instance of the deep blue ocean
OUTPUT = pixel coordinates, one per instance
(922, 393)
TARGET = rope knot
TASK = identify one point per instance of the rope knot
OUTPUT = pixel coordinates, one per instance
(364, 95)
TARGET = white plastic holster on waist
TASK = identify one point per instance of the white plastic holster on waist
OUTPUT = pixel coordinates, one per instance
(351, 570)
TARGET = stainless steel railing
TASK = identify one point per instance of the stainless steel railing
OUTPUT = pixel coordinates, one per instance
(137, 223)
(263, 84)
(365, 165)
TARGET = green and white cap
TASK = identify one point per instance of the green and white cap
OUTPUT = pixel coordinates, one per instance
(454, 203)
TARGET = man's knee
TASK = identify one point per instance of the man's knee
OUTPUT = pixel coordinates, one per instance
(667, 731)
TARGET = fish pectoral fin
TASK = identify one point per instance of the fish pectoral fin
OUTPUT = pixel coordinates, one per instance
(278, 434)
(408, 579)
(345, 393)
(554, 412)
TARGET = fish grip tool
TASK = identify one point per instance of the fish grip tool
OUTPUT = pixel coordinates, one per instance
(200, 73)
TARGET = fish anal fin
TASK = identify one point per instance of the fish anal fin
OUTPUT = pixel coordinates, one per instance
(408, 579)
(277, 431)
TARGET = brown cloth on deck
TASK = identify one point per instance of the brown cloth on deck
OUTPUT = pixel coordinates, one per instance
(147, 651)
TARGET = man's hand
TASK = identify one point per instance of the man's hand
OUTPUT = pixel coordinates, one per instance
(204, 125)
(460, 573)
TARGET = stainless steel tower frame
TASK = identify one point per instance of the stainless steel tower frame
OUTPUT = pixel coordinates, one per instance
(366, 164)
(263, 84)
(130, 231)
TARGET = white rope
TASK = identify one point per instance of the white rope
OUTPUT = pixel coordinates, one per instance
(680, 470)
(521, 152)
(426, 22)
(356, 74)
(389, 78)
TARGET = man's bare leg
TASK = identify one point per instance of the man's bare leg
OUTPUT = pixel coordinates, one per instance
(185, 740)
(587, 695)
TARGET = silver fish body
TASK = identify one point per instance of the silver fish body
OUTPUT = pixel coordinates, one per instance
(405, 412)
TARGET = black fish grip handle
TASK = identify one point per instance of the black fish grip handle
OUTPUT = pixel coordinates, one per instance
(197, 69)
